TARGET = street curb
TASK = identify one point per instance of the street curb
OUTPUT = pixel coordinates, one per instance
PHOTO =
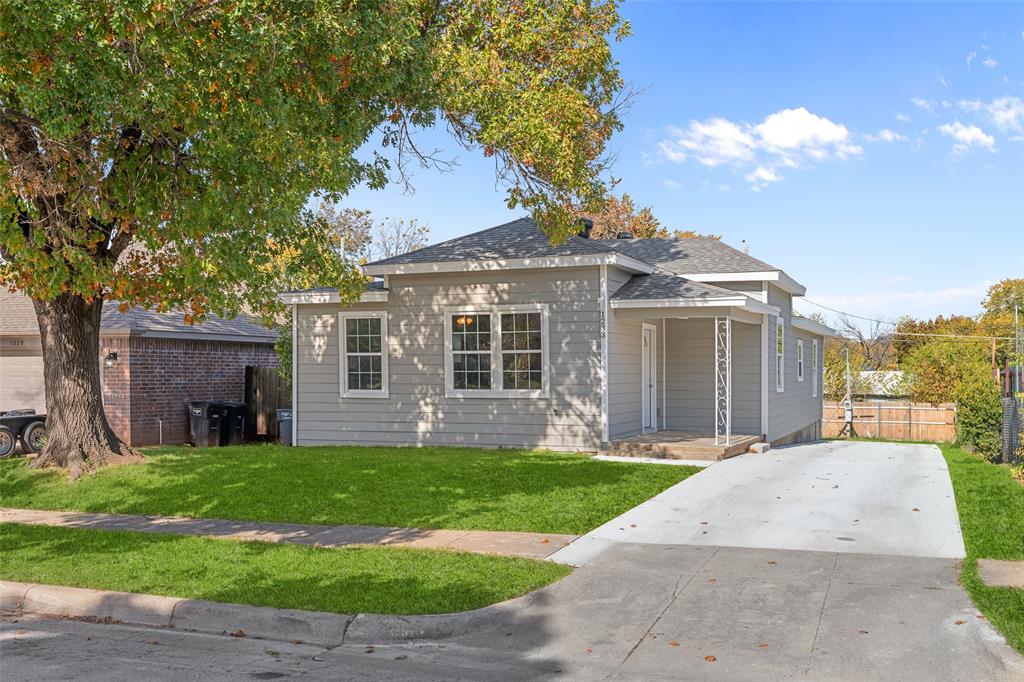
(287, 625)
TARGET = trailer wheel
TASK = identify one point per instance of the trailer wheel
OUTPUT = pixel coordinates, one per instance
(7, 442)
(33, 437)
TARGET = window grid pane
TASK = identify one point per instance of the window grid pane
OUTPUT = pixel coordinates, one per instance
(471, 351)
(522, 352)
(364, 354)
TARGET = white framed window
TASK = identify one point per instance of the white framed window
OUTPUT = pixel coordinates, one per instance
(780, 355)
(799, 359)
(814, 368)
(364, 354)
(496, 351)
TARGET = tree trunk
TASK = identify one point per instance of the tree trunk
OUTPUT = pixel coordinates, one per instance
(78, 437)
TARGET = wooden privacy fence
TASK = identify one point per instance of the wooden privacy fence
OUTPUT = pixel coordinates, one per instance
(264, 393)
(892, 420)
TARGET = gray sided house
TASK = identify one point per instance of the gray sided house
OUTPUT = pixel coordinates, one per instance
(501, 339)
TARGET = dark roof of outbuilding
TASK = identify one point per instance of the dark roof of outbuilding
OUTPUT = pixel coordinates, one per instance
(18, 316)
(517, 239)
(645, 287)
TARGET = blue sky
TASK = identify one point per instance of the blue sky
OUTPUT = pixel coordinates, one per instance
(874, 151)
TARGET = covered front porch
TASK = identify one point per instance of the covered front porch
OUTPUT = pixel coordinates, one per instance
(687, 369)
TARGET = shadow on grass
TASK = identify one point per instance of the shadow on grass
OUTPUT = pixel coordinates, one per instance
(459, 488)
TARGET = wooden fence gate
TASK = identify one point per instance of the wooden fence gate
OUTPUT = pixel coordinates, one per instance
(892, 420)
(264, 394)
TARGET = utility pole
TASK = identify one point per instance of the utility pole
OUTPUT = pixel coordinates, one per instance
(848, 399)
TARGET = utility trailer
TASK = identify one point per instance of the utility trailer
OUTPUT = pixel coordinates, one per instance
(23, 425)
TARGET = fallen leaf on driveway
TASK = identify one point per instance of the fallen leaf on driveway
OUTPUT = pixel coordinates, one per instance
(673, 643)
(762, 645)
(712, 580)
(980, 617)
(703, 523)
(545, 541)
(960, 622)
(402, 657)
(632, 525)
(772, 563)
(710, 659)
(590, 651)
(238, 633)
(863, 632)
(915, 509)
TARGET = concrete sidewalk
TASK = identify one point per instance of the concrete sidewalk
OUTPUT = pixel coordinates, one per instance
(529, 545)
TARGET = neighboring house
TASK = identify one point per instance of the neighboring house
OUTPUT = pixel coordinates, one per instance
(499, 338)
(883, 384)
(151, 364)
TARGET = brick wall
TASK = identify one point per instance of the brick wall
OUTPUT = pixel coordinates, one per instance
(115, 385)
(167, 373)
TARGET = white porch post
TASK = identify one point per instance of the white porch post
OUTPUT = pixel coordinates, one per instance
(723, 381)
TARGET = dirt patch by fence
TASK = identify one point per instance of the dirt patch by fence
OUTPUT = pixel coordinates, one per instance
(893, 420)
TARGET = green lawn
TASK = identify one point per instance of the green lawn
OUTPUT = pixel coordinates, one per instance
(458, 488)
(352, 580)
(991, 507)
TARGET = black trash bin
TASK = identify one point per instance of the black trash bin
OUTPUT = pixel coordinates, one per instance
(204, 418)
(284, 426)
(233, 429)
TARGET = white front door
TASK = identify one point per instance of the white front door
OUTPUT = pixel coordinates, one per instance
(648, 379)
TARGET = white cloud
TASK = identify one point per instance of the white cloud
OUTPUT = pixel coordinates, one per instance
(789, 138)
(885, 135)
(761, 177)
(970, 58)
(672, 184)
(966, 137)
(990, 63)
(903, 118)
(712, 142)
(922, 104)
(1007, 113)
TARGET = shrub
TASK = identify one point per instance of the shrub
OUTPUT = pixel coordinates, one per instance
(979, 415)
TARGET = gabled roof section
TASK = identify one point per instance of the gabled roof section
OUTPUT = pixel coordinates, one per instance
(691, 256)
(513, 240)
(669, 286)
(18, 317)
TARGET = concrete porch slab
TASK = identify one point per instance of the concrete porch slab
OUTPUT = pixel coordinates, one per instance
(680, 445)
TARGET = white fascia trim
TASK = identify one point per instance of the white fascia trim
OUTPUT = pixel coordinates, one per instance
(784, 281)
(311, 297)
(739, 301)
(625, 262)
(811, 326)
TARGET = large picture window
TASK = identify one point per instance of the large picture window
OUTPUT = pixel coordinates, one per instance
(471, 351)
(499, 351)
(364, 367)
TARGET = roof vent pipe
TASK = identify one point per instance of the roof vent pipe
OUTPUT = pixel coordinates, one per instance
(624, 235)
(586, 225)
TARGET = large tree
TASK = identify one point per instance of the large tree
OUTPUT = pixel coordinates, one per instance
(159, 153)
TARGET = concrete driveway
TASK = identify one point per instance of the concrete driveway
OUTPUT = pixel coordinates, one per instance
(850, 497)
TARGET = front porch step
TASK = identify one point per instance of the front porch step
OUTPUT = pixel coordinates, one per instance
(674, 446)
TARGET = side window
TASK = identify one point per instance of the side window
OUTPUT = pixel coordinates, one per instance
(522, 352)
(799, 359)
(780, 356)
(471, 351)
(364, 367)
(814, 368)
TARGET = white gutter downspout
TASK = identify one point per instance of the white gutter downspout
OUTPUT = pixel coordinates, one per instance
(765, 339)
(295, 374)
(604, 355)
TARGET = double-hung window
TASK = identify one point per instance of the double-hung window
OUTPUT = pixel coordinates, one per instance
(364, 361)
(780, 356)
(471, 351)
(814, 368)
(498, 351)
(799, 359)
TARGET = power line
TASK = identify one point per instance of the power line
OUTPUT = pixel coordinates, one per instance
(859, 317)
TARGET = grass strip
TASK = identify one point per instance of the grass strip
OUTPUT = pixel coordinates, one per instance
(350, 580)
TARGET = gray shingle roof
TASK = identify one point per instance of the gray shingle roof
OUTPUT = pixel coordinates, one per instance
(18, 316)
(517, 239)
(643, 287)
(694, 256)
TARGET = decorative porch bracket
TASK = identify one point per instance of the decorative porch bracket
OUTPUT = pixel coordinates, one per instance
(723, 381)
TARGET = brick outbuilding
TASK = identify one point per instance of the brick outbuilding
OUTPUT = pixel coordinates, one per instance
(151, 365)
